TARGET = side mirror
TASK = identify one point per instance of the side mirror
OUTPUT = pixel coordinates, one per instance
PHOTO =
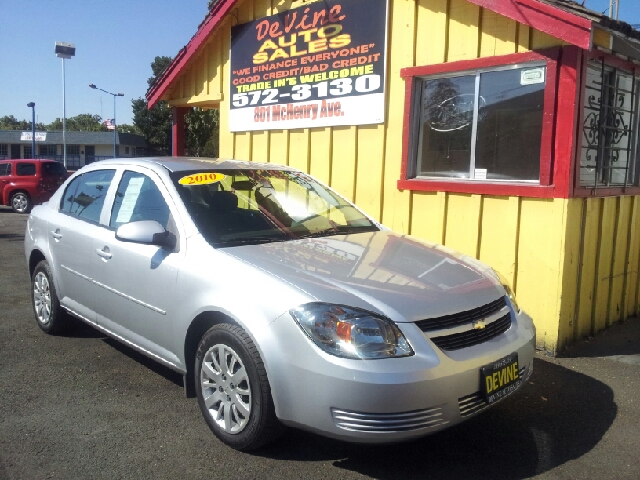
(148, 232)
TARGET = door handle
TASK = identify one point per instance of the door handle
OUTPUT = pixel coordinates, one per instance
(57, 235)
(104, 253)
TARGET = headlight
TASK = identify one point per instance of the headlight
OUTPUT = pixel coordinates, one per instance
(507, 288)
(351, 333)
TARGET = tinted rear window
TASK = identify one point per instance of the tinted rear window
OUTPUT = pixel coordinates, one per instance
(25, 169)
(5, 169)
(53, 168)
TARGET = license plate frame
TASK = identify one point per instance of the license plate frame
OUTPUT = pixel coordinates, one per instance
(500, 378)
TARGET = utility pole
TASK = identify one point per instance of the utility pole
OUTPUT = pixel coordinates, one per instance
(614, 7)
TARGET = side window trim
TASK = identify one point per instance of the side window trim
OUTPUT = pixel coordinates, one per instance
(105, 215)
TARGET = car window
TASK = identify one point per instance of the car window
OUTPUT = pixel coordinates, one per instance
(87, 200)
(25, 169)
(138, 198)
(69, 194)
(54, 169)
(5, 169)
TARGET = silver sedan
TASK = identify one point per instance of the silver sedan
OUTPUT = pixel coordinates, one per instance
(280, 302)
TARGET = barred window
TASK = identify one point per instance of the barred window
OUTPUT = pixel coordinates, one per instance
(609, 152)
(73, 149)
(4, 149)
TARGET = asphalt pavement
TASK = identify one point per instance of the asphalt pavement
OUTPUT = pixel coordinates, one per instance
(83, 406)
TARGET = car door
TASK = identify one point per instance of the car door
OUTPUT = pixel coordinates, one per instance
(5, 178)
(73, 231)
(140, 280)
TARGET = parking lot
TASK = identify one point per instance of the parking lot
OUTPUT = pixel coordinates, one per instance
(84, 406)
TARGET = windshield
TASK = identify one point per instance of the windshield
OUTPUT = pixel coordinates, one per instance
(237, 207)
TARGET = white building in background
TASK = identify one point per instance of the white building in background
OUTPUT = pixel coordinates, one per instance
(82, 147)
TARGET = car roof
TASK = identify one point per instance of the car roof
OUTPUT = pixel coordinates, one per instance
(179, 164)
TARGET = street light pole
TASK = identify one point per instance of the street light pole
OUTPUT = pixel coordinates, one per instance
(33, 128)
(64, 51)
(115, 125)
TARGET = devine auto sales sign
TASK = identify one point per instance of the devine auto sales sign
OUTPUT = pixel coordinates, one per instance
(319, 65)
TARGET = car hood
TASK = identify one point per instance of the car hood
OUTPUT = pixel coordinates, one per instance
(398, 276)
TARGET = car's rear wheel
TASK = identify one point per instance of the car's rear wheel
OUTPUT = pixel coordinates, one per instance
(233, 390)
(50, 316)
(21, 202)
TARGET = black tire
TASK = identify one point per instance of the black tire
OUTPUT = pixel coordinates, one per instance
(57, 321)
(261, 424)
(21, 202)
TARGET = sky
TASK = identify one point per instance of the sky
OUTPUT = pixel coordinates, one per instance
(116, 41)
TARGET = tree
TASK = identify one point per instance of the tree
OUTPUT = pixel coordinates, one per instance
(203, 132)
(154, 125)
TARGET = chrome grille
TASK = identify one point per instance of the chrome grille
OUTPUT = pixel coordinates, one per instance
(469, 338)
(388, 422)
(475, 402)
(462, 318)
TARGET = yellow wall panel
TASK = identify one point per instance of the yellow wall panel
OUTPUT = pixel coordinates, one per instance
(279, 147)
(539, 262)
(299, 149)
(524, 33)
(605, 255)
(540, 40)
(262, 8)
(396, 206)
(590, 243)
(618, 280)
(499, 240)
(343, 166)
(215, 68)
(369, 169)
(569, 273)
(631, 300)
(243, 146)
(260, 147)
(428, 216)
(463, 223)
(464, 20)
(320, 163)
(244, 10)
(498, 35)
(431, 32)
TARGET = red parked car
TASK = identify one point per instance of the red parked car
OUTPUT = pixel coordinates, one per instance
(26, 182)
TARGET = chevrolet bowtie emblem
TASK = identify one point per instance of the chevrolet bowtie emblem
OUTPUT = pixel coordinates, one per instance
(479, 324)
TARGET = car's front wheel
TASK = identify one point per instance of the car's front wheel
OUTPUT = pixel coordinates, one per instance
(233, 390)
(50, 316)
(21, 202)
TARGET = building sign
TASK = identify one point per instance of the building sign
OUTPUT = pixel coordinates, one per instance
(319, 65)
(26, 136)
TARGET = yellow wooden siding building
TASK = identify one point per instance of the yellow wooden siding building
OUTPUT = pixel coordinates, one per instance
(573, 262)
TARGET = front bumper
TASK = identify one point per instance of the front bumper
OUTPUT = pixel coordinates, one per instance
(390, 400)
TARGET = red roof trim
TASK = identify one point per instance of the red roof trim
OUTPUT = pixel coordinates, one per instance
(558, 23)
(217, 14)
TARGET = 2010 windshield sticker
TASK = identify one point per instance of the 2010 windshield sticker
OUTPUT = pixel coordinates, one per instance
(201, 178)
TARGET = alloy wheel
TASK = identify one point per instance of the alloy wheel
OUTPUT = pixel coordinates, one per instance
(225, 388)
(42, 298)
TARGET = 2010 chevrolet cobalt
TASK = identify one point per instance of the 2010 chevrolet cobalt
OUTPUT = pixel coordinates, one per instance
(279, 301)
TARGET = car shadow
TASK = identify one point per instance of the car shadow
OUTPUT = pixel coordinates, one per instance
(558, 416)
(152, 365)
